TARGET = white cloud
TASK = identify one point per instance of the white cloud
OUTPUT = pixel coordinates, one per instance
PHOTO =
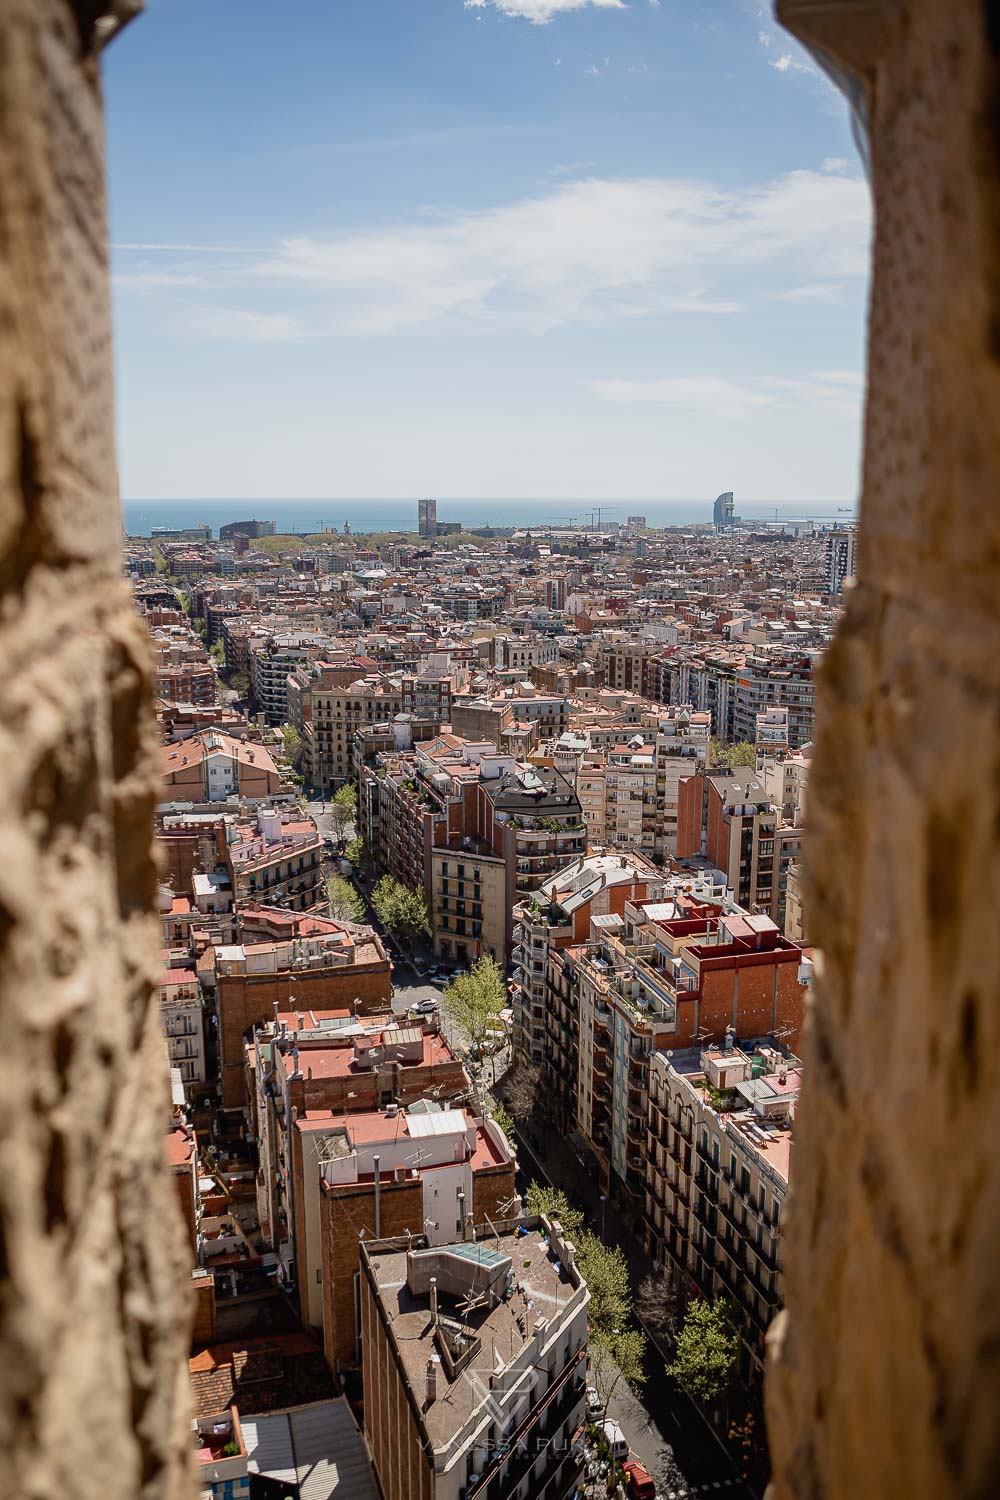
(540, 12)
(243, 326)
(826, 393)
(786, 63)
(836, 164)
(764, 38)
(593, 250)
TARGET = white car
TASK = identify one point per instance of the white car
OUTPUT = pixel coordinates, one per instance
(595, 1406)
(423, 1008)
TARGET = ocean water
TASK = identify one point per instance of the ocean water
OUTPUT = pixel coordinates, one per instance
(140, 516)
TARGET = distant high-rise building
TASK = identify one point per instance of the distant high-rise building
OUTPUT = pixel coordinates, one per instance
(247, 528)
(839, 559)
(427, 517)
(722, 511)
(636, 523)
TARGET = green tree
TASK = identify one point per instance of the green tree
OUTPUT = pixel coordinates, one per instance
(218, 654)
(617, 1346)
(355, 851)
(293, 743)
(240, 683)
(616, 1355)
(739, 753)
(343, 810)
(403, 912)
(504, 1120)
(473, 1001)
(553, 1203)
(346, 905)
(606, 1271)
(706, 1349)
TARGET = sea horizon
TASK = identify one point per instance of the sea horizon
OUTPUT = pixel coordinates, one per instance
(290, 515)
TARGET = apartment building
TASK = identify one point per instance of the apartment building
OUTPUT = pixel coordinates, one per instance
(794, 926)
(337, 1099)
(555, 917)
(469, 899)
(771, 736)
(841, 559)
(730, 819)
(214, 766)
(337, 714)
(522, 652)
(276, 858)
(478, 829)
(475, 1364)
(775, 679)
(627, 778)
(184, 673)
(719, 1135)
(271, 659)
(661, 976)
(427, 1170)
(181, 1019)
(294, 962)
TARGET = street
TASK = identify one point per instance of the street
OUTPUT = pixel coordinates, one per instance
(664, 1428)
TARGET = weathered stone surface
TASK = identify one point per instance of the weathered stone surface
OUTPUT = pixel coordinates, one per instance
(884, 1373)
(93, 1328)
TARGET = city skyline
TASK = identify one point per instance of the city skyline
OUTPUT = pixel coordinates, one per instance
(479, 249)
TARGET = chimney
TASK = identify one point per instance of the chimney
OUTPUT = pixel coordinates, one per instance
(432, 1369)
(434, 1301)
(378, 1199)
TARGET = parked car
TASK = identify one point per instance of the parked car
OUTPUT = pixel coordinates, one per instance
(615, 1439)
(595, 1406)
(423, 1008)
(639, 1483)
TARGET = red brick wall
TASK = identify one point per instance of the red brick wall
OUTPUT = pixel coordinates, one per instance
(344, 1212)
(244, 1002)
(491, 1188)
(760, 1005)
(404, 1472)
(688, 816)
(331, 1093)
(203, 1291)
(763, 995)
(717, 843)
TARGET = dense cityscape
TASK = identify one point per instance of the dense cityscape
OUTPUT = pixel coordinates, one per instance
(484, 965)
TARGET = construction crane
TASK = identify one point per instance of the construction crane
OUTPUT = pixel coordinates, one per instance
(570, 519)
(599, 511)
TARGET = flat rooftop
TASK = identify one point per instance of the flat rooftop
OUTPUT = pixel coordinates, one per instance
(338, 1061)
(542, 1287)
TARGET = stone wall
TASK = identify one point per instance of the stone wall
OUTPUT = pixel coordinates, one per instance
(884, 1374)
(93, 1331)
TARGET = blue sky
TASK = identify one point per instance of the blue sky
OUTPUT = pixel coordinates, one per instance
(497, 248)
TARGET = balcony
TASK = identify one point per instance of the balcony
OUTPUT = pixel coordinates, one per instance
(508, 1470)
